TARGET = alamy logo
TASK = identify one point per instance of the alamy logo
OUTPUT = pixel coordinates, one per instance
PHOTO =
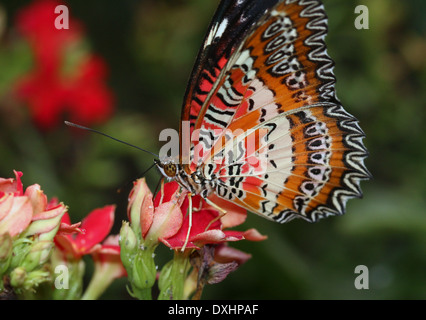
(62, 278)
(361, 281)
(361, 21)
(62, 20)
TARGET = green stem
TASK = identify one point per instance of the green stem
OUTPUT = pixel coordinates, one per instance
(101, 280)
(174, 279)
(179, 273)
(141, 294)
(143, 273)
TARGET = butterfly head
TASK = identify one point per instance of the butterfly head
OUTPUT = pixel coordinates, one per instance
(167, 168)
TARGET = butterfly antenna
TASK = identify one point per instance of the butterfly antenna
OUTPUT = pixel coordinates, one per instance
(119, 190)
(158, 185)
(70, 124)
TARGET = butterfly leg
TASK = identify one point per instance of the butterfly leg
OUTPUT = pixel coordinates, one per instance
(216, 206)
(162, 190)
(221, 214)
(190, 222)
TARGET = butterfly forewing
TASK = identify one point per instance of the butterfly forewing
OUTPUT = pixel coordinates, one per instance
(265, 121)
(232, 20)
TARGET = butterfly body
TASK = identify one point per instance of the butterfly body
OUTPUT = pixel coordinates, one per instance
(265, 128)
(196, 182)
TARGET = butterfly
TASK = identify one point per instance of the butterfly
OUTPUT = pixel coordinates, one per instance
(261, 125)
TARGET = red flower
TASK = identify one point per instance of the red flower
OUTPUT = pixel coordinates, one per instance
(207, 227)
(47, 90)
(88, 98)
(202, 231)
(226, 254)
(15, 208)
(165, 219)
(27, 210)
(108, 267)
(107, 256)
(12, 186)
(95, 227)
(36, 22)
(154, 222)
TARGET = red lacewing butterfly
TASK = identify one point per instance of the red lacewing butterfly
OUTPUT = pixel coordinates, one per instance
(266, 129)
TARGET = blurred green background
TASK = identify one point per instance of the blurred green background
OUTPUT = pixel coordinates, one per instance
(149, 47)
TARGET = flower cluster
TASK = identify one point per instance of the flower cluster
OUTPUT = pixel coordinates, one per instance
(62, 81)
(37, 237)
(28, 225)
(199, 237)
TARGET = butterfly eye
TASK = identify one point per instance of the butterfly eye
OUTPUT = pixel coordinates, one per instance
(170, 170)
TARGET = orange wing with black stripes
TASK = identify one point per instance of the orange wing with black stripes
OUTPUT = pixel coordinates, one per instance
(264, 118)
